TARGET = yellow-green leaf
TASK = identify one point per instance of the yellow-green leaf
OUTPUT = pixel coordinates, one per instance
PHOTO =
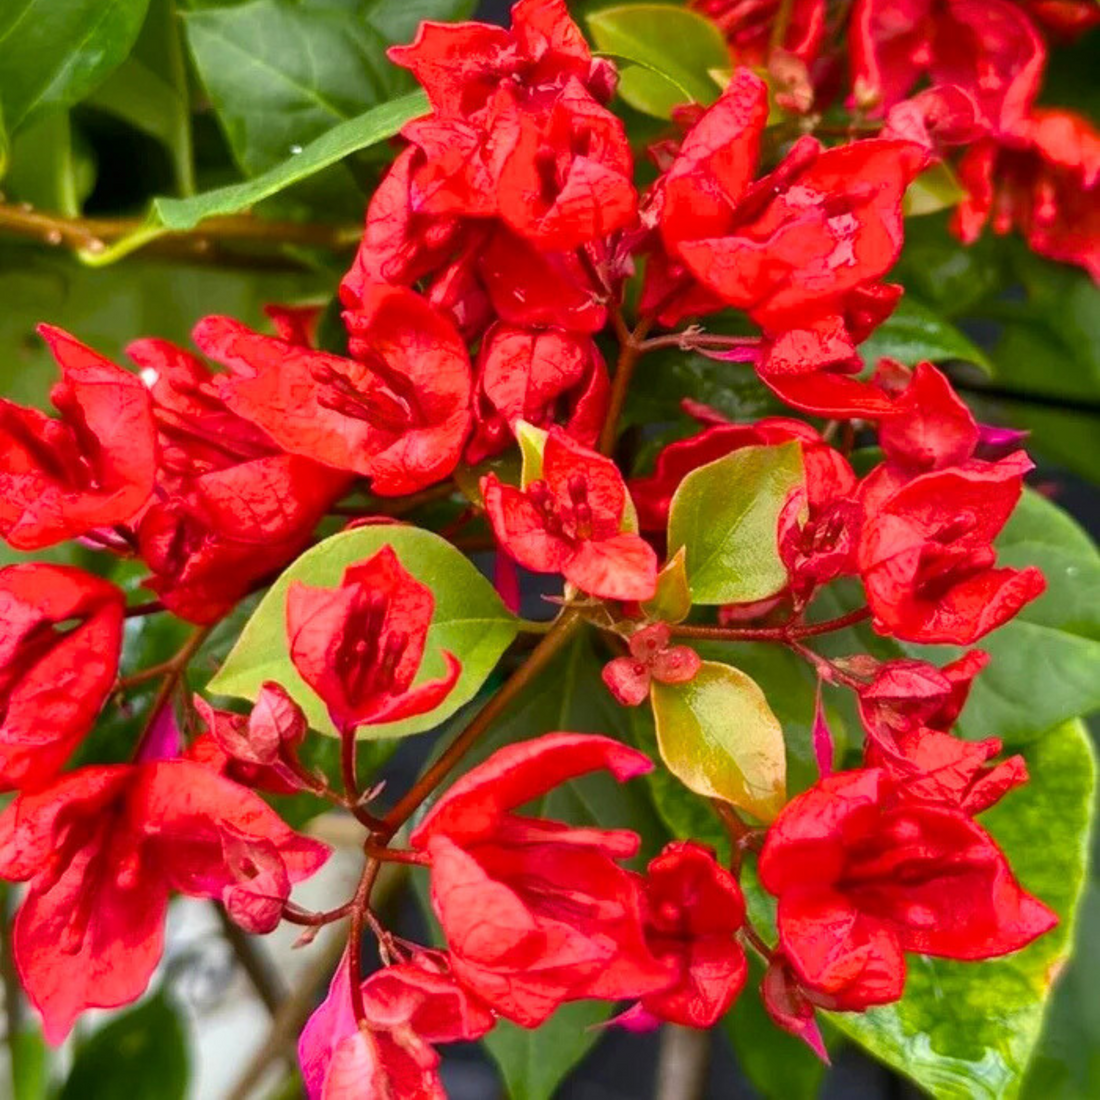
(719, 737)
(726, 517)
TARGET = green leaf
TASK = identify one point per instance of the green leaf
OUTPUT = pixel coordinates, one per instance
(469, 621)
(149, 90)
(283, 72)
(142, 1053)
(672, 48)
(719, 737)
(166, 214)
(1066, 1065)
(915, 331)
(51, 166)
(779, 1066)
(567, 695)
(52, 55)
(790, 686)
(726, 515)
(965, 1031)
(534, 1063)
(398, 20)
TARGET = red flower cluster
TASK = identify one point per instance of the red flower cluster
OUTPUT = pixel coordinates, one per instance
(866, 870)
(496, 250)
(917, 530)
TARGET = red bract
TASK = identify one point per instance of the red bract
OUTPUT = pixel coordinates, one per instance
(462, 65)
(60, 636)
(258, 750)
(407, 1006)
(695, 909)
(801, 250)
(747, 24)
(569, 521)
(651, 658)
(863, 876)
(542, 376)
(931, 427)
(538, 912)
(988, 47)
(231, 509)
(94, 467)
(397, 412)
(904, 695)
(927, 560)
(1042, 179)
(359, 646)
(930, 766)
(103, 847)
(790, 1006)
(564, 172)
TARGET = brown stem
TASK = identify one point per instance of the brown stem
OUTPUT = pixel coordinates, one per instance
(540, 657)
(254, 961)
(738, 831)
(355, 936)
(630, 349)
(688, 340)
(294, 914)
(395, 855)
(787, 633)
(93, 234)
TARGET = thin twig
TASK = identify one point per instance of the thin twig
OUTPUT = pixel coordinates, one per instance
(786, 633)
(630, 350)
(93, 234)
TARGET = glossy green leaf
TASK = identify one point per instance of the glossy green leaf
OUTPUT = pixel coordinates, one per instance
(567, 695)
(720, 738)
(283, 72)
(672, 48)
(790, 686)
(398, 20)
(1066, 1063)
(469, 621)
(53, 54)
(141, 1053)
(51, 166)
(149, 90)
(915, 331)
(167, 214)
(726, 516)
(965, 1031)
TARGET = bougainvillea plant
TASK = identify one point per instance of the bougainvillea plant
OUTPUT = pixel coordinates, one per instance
(797, 628)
